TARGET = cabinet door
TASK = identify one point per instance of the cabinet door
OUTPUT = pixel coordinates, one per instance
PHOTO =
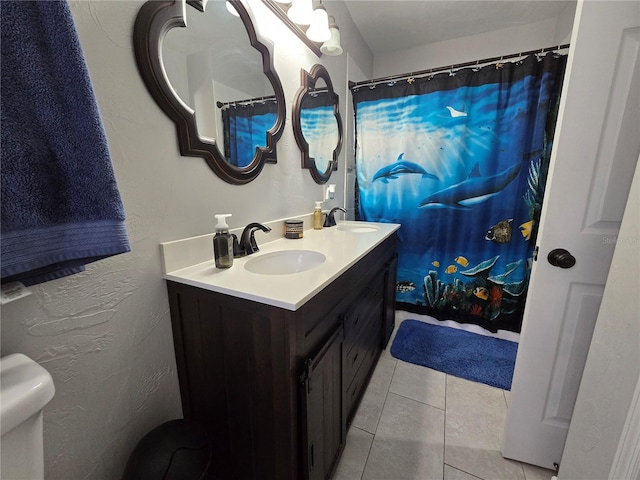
(324, 429)
(389, 318)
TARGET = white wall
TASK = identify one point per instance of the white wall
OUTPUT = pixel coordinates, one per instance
(532, 36)
(105, 335)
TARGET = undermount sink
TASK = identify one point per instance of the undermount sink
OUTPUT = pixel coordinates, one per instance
(357, 228)
(285, 262)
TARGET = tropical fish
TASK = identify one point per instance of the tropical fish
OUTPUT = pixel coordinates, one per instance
(526, 228)
(451, 269)
(481, 293)
(405, 286)
(460, 260)
(500, 232)
(435, 263)
(456, 113)
(475, 189)
(401, 167)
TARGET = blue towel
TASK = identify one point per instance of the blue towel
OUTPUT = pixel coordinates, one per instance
(61, 208)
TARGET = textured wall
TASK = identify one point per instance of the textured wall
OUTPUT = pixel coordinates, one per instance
(105, 335)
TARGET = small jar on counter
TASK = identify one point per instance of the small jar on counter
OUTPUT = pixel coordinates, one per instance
(293, 229)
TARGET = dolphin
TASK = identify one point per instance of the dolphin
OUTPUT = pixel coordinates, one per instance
(401, 167)
(475, 189)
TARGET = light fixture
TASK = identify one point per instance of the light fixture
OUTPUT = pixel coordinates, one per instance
(332, 46)
(231, 9)
(319, 31)
(301, 12)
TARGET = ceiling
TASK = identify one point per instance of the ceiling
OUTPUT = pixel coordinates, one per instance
(391, 25)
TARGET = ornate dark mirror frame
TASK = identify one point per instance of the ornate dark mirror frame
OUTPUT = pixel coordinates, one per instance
(308, 81)
(154, 20)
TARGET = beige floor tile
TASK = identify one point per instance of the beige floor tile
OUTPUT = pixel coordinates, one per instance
(399, 429)
(451, 473)
(408, 444)
(463, 395)
(419, 383)
(355, 454)
(368, 413)
(475, 419)
(532, 472)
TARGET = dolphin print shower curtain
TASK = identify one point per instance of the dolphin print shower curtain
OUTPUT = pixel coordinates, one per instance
(460, 160)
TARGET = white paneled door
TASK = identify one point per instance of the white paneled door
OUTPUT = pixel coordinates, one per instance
(595, 152)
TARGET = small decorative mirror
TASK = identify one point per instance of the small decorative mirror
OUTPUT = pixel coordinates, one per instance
(317, 125)
(205, 66)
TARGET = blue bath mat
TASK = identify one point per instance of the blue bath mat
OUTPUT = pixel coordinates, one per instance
(460, 353)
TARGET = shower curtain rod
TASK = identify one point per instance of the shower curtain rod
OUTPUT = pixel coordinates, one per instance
(430, 71)
(248, 101)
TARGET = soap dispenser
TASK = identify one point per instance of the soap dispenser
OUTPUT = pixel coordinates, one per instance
(317, 216)
(223, 243)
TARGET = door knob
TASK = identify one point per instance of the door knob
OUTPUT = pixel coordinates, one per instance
(561, 258)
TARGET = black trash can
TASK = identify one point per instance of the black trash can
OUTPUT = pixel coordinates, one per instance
(175, 450)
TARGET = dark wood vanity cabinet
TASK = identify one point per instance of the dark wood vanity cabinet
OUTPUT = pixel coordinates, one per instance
(276, 388)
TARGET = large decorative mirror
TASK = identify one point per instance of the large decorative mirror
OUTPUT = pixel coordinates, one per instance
(317, 125)
(205, 66)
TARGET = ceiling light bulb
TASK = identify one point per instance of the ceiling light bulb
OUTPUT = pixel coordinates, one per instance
(301, 12)
(332, 46)
(319, 31)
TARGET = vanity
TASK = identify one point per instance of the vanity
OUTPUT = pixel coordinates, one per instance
(275, 364)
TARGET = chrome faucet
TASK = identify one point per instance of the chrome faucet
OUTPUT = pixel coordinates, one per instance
(329, 220)
(248, 244)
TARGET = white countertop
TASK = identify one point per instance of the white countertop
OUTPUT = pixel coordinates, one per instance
(290, 291)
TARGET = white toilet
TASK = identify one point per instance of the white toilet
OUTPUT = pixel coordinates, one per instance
(25, 388)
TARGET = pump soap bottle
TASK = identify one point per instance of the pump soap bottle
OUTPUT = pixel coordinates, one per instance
(317, 216)
(223, 243)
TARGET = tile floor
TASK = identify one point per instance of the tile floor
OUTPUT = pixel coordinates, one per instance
(415, 423)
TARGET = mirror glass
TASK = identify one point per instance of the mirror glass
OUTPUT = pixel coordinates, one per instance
(317, 124)
(214, 70)
(210, 73)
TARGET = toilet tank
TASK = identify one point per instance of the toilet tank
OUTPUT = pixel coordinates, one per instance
(25, 388)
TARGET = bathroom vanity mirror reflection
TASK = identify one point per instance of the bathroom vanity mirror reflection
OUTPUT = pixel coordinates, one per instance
(210, 73)
(317, 124)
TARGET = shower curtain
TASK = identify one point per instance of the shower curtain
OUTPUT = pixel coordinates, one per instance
(460, 160)
(244, 129)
